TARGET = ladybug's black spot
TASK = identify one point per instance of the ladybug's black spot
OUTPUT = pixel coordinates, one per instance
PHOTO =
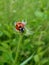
(19, 26)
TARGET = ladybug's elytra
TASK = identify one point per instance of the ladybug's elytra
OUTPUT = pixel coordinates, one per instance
(20, 26)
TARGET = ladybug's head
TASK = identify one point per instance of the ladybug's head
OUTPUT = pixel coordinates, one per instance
(21, 29)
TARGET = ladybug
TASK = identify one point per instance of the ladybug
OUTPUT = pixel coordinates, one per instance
(20, 26)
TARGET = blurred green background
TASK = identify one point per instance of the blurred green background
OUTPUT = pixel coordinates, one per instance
(24, 49)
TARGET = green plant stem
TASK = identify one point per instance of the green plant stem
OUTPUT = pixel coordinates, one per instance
(18, 49)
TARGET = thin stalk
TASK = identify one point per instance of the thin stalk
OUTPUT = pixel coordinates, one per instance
(18, 49)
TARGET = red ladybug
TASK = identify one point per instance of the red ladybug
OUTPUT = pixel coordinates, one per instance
(20, 26)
